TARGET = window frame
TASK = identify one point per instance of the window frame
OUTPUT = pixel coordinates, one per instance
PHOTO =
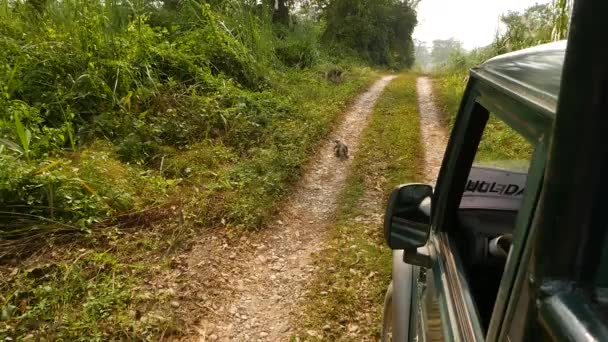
(456, 302)
(454, 297)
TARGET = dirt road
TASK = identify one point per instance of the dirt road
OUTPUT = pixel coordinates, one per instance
(433, 130)
(403, 143)
(252, 287)
(247, 290)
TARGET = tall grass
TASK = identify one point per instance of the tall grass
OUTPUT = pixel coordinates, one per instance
(253, 29)
(526, 29)
(155, 120)
(150, 78)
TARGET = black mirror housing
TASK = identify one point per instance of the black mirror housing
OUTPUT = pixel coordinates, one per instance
(407, 221)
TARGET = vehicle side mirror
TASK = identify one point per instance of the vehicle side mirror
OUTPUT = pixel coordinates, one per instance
(407, 222)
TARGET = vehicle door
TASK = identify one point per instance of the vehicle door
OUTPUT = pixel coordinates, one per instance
(457, 296)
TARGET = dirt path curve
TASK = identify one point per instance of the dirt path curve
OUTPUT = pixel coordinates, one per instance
(434, 133)
(250, 289)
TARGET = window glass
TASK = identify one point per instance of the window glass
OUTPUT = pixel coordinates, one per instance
(502, 147)
(498, 176)
(493, 195)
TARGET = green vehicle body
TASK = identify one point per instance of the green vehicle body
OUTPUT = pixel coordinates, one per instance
(554, 285)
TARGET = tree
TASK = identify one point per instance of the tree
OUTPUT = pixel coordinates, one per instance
(532, 27)
(535, 25)
(380, 31)
(423, 55)
(443, 48)
(280, 12)
(562, 9)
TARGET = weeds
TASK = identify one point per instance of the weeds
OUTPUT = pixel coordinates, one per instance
(78, 300)
(119, 116)
(138, 81)
(235, 177)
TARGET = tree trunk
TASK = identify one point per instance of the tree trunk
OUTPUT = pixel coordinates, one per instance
(280, 12)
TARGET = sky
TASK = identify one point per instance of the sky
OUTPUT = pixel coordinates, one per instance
(473, 22)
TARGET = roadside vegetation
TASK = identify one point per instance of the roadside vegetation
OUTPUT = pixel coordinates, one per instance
(127, 128)
(450, 64)
(345, 299)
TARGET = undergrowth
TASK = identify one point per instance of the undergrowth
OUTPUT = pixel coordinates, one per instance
(345, 298)
(208, 184)
(98, 97)
(128, 127)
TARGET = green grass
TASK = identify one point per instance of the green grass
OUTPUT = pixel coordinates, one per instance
(502, 143)
(346, 297)
(66, 296)
(44, 297)
(127, 130)
(449, 88)
(89, 84)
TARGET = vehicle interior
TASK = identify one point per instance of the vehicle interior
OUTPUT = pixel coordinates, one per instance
(521, 87)
(483, 239)
(486, 221)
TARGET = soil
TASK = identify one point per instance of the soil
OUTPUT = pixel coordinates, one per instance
(248, 289)
(434, 133)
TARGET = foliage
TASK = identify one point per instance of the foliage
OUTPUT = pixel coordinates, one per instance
(536, 25)
(501, 144)
(264, 177)
(442, 50)
(562, 10)
(378, 31)
(169, 116)
(121, 115)
(77, 302)
(151, 79)
(300, 46)
(208, 183)
(532, 27)
(422, 55)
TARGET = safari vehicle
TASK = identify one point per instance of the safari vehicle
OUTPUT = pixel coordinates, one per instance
(513, 247)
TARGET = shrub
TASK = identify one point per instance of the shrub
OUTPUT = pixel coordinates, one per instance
(299, 46)
(117, 96)
(50, 190)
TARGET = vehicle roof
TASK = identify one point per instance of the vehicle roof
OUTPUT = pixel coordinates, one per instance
(532, 76)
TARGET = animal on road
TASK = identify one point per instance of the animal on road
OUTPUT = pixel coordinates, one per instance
(340, 150)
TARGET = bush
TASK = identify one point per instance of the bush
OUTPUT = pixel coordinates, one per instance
(46, 191)
(299, 46)
(151, 84)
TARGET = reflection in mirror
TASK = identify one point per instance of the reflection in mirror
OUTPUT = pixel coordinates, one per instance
(407, 220)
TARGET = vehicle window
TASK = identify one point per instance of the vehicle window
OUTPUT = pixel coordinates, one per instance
(497, 178)
(488, 210)
(502, 147)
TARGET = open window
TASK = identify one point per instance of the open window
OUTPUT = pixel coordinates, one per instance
(488, 210)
